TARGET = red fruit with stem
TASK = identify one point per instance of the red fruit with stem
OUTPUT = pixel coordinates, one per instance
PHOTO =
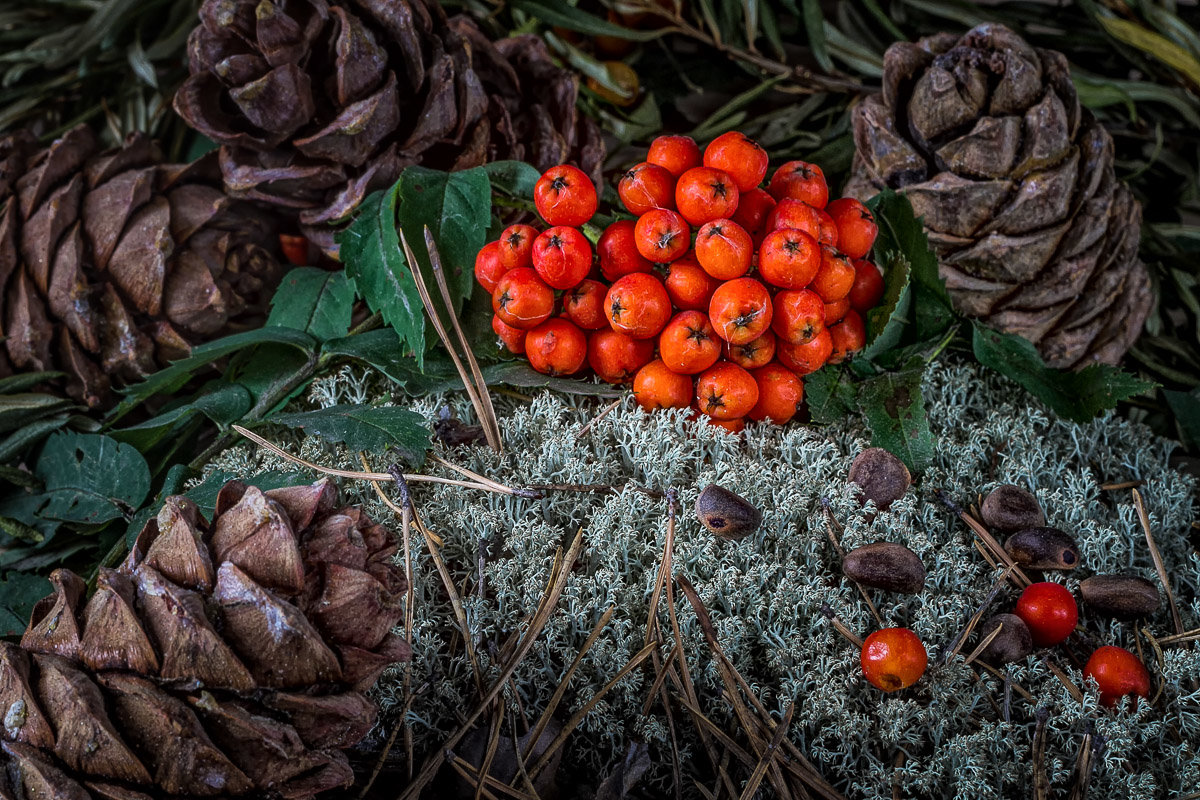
(615, 357)
(801, 181)
(848, 337)
(564, 195)
(689, 286)
(724, 249)
(562, 256)
(638, 305)
(513, 338)
(799, 315)
(489, 267)
(740, 156)
(753, 354)
(808, 357)
(868, 286)
(646, 186)
(688, 344)
(656, 386)
(753, 211)
(584, 305)
(516, 246)
(855, 225)
(1050, 612)
(740, 310)
(661, 235)
(703, 194)
(796, 215)
(522, 300)
(893, 659)
(780, 393)
(676, 154)
(834, 277)
(789, 258)
(1118, 673)
(556, 347)
(726, 391)
(618, 251)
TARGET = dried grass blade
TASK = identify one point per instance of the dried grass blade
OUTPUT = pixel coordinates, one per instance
(769, 756)
(471, 774)
(1144, 518)
(983, 645)
(487, 413)
(485, 768)
(1041, 781)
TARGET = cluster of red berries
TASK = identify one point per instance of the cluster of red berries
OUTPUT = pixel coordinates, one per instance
(720, 294)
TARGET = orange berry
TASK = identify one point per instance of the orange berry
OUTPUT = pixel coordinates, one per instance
(521, 299)
(512, 338)
(615, 357)
(868, 286)
(780, 393)
(848, 336)
(646, 186)
(740, 156)
(855, 225)
(1118, 673)
(618, 251)
(740, 310)
(796, 215)
(724, 249)
(735, 425)
(836, 310)
(638, 305)
(789, 258)
(808, 357)
(564, 195)
(584, 305)
(688, 285)
(726, 391)
(801, 181)
(704, 194)
(752, 355)
(829, 230)
(688, 344)
(556, 347)
(893, 658)
(489, 266)
(676, 154)
(562, 256)
(799, 315)
(516, 246)
(656, 386)
(661, 235)
(834, 277)
(754, 209)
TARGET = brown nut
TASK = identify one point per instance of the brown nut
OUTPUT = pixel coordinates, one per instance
(885, 565)
(1010, 508)
(1120, 596)
(1043, 548)
(1013, 643)
(881, 476)
(726, 514)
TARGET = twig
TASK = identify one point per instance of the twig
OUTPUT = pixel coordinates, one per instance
(840, 627)
(512, 725)
(489, 753)
(769, 756)
(467, 377)
(1064, 678)
(1041, 782)
(369, 476)
(529, 494)
(1019, 576)
(1112, 487)
(1180, 638)
(608, 409)
(1003, 676)
(1158, 562)
(563, 570)
(958, 640)
(983, 645)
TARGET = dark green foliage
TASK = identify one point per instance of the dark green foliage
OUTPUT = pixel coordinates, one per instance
(367, 428)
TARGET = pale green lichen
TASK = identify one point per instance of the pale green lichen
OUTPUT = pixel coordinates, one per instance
(765, 592)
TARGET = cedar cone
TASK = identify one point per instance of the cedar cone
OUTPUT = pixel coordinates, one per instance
(225, 659)
(986, 137)
(113, 263)
(318, 102)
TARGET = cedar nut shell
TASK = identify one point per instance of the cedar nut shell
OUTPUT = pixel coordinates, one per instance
(1011, 644)
(885, 565)
(1043, 548)
(1121, 596)
(881, 476)
(1010, 508)
(726, 514)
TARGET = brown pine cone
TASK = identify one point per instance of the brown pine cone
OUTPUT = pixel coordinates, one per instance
(113, 263)
(318, 103)
(986, 137)
(225, 659)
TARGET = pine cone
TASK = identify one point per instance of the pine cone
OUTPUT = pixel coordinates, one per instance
(225, 659)
(318, 103)
(113, 263)
(1015, 181)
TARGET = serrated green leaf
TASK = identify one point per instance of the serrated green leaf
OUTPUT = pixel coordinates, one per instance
(19, 593)
(91, 479)
(369, 428)
(316, 301)
(830, 395)
(180, 372)
(564, 15)
(895, 412)
(1077, 396)
(513, 178)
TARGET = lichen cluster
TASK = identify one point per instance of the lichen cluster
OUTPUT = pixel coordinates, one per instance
(945, 737)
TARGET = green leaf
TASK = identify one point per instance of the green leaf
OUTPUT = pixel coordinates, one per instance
(180, 372)
(19, 593)
(895, 412)
(369, 428)
(16, 529)
(1077, 396)
(26, 380)
(225, 404)
(316, 301)
(91, 479)
(19, 477)
(830, 395)
(18, 410)
(518, 373)
(1186, 408)
(513, 178)
(564, 15)
(18, 441)
(814, 26)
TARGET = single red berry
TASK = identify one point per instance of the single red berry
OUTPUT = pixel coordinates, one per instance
(836, 311)
(564, 195)
(556, 347)
(798, 315)
(512, 338)
(893, 658)
(562, 256)
(829, 229)
(656, 386)
(638, 305)
(618, 251)
(298, 250)
(646, 186)
(1118, 673)
(789, 258)
(724, 249)
(703, 194)
(726, 391)
(1050, 612)
(834, 277)
(676, 154)
(661, 235)
(516, 246)
(735, 425)
(807, 357)
(848, 337)
(689, 286)
(737, 154)
(753, 354)
(801, 181)
(489, 267)
(780, 393)
(522, 300)
(856, 228)
(796, 215)
(740, 310)
(688, 344)
(615, 357)
(868, 286)
(584, 305)
(754, 209)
